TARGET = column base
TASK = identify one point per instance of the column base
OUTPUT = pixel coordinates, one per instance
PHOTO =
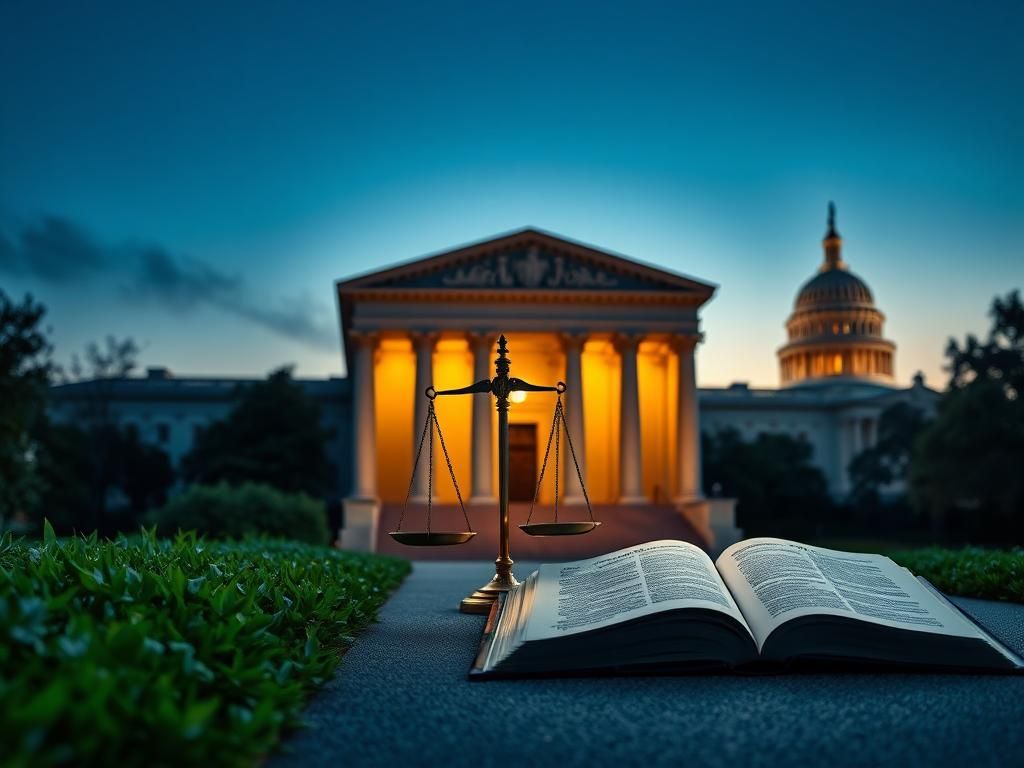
(481, 501)
(418, 499)
(362, 518)
(688, 498)
(574, 501)
(635, 500)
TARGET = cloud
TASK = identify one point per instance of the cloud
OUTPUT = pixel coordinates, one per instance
(53, 249)
(56, 250)
(182, 285)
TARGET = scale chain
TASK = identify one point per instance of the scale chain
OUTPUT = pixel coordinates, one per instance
(451, 471)
(415, 464)
(544, 463)
(579, 472)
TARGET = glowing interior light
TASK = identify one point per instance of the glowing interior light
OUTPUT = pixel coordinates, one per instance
(517, 396)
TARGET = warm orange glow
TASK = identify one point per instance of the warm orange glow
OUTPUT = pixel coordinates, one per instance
(600, 365)
(394, 379)
(837, 364)
(453, 368)
(652, 380)
(518, 396)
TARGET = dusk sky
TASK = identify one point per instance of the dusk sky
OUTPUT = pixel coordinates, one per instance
(198, 177)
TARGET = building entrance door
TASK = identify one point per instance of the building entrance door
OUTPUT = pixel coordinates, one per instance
(522, 461)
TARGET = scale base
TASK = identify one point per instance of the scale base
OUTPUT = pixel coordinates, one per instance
(482, 599)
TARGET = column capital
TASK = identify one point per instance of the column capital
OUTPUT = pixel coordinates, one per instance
(627, 341)
(424, 338)
(477, 338)
(363, 338)
(685, 342)
(573, 339)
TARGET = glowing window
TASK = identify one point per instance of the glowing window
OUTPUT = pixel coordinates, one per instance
(837, 364)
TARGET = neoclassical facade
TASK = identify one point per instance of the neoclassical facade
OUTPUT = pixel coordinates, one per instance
(620, 334)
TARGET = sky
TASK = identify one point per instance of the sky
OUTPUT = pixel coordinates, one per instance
(197, 176)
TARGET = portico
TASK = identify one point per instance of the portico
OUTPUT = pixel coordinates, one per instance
(621, 334)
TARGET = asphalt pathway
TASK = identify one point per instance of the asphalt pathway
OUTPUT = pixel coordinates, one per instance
(401, 698)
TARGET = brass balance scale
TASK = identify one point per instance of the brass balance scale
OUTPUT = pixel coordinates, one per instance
(500, 386)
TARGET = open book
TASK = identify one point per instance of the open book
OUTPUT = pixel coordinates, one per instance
(666, 604)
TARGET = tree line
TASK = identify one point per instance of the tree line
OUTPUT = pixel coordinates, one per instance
(91, 472)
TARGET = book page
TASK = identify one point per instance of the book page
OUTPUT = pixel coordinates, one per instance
(774, 580)
(624, 585)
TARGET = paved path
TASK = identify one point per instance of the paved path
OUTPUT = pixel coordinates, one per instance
(401, 699)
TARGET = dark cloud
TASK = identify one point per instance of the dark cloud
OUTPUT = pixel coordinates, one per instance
(182, 285)
(53, 249)
(56, 250)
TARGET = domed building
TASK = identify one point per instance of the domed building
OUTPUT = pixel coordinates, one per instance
(835, 329)
(836, 371)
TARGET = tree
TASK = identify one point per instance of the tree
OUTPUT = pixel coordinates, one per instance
(110, 446)
(966, 467)
(888, 461)
(24, 372)
(777, 488)
(273, 436)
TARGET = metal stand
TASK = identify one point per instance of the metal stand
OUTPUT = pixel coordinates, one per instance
(500, 386)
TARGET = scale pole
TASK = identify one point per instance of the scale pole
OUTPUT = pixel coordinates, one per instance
(504, 562)
(482, 599)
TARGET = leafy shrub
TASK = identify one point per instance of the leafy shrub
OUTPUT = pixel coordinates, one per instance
(227, 511)
(184, 652)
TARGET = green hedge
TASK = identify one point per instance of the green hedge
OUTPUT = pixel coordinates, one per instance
(969, 572)
(236, 511)
(186, 652)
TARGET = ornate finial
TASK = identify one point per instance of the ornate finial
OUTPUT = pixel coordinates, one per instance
(831, 221)
(501, 362)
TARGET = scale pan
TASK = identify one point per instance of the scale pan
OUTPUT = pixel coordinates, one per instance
(431, 538)
(559, 529)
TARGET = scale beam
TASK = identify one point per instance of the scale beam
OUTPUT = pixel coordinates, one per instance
(500, 387)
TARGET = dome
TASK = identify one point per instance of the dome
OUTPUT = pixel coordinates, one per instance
(835, 330)
(834, 288)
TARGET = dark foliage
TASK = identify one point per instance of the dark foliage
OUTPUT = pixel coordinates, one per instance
(888, 461)
(226, 511)
(966, 472)
(24, 372)
(778, 490)
(273, 437)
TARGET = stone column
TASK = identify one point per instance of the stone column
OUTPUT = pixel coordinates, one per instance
(846, 428)
(631, 479)
(688, 466)
(483, 406)
(573, 345)
(858, 437)
(362, 507)
(423, 348)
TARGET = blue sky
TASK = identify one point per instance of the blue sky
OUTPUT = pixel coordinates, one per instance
(197, 176)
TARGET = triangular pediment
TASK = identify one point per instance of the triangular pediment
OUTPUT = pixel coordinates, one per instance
(527, 260)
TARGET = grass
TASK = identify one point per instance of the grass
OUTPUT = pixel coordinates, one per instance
(969, 572)
(991, 574)
(145, 651)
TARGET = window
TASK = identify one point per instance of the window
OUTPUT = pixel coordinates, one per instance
(837, 364)
(163, 432)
